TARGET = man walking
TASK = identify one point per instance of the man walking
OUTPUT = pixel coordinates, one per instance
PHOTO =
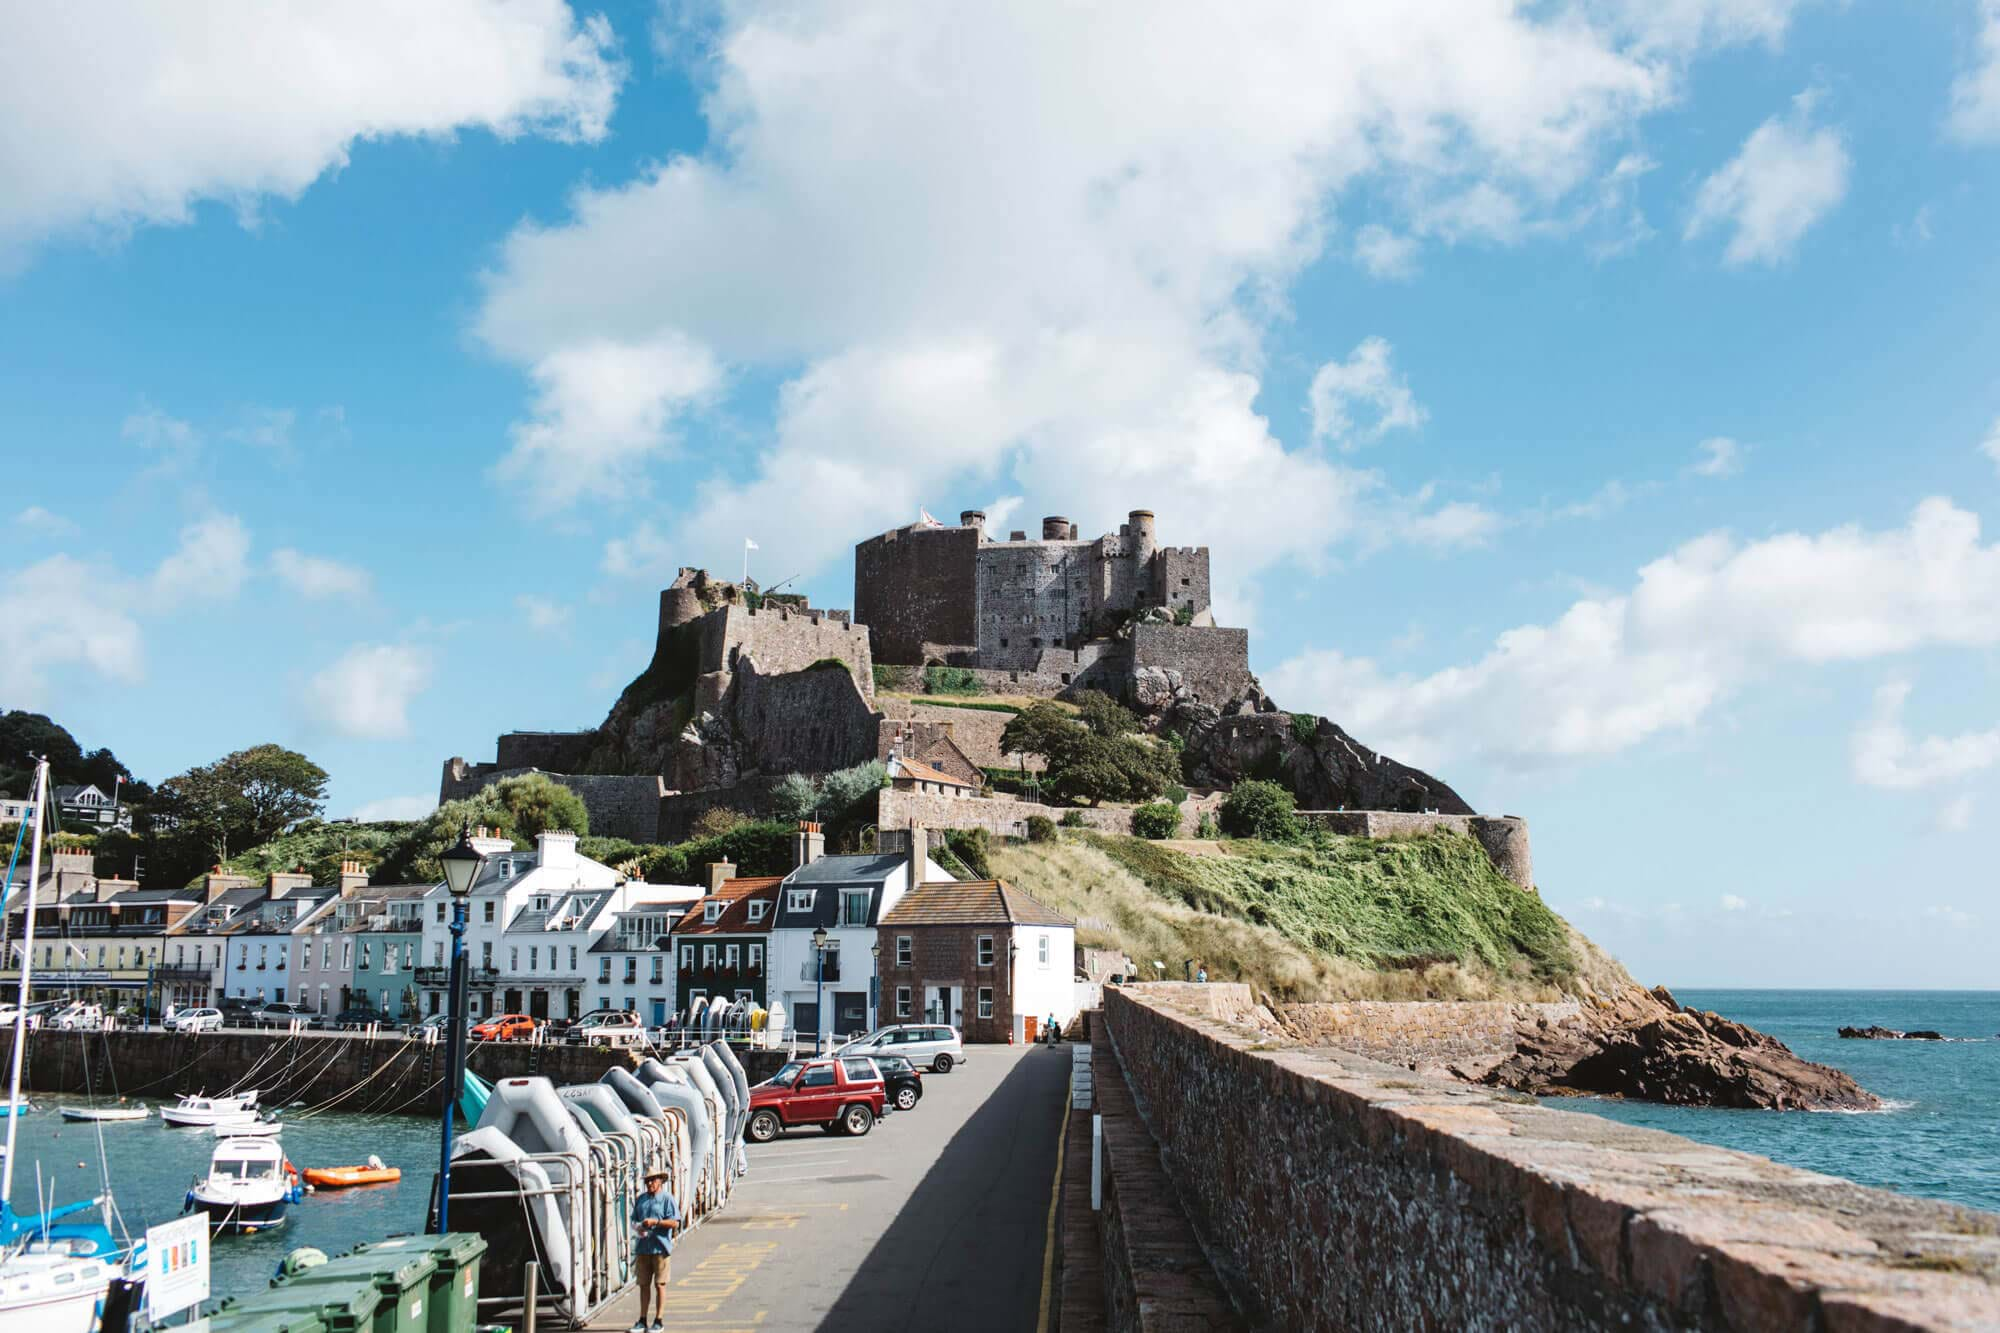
(655, 1219)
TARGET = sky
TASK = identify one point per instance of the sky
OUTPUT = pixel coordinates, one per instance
(1595, 403)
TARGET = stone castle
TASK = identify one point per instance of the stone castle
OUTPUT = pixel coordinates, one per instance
(744, 687)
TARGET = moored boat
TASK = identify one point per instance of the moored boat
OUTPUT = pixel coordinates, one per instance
(248, 1186)
(341, 1177)
(106, 1114)
(252, 1129)
(199, 1110)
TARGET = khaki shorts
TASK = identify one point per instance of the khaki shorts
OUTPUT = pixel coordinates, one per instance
(651, 1267)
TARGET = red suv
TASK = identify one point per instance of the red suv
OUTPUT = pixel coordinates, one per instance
(843, 1096)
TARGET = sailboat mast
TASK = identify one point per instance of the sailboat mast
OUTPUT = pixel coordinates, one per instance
(27, 959)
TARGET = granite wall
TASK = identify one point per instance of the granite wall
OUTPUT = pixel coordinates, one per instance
(620, 806)
(1008, 818)
(1462, 1034)
(1505, 837)
(1330, 1191)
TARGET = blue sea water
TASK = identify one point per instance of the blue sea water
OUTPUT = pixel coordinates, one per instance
(1941, 1135)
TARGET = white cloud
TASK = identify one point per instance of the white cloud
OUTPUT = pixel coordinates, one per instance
(1990, 446)
(266, 427)
(1951, 916)
(366, 692)
(150, 428)
(1700, 623)
(388, 808)
(1453, 525)
(318, 577)
(1082, 303)
(210, 563)
(1365, 379)
(543, 615)
(1975, 97)
(1720, 457)
(1955, 815)
(601, 409)
(1732, 903)
(1385, 253)
(1885, 755)
(140, 111)
(57, 614)
(1787, 177)
(40, 522)
(1001, 511)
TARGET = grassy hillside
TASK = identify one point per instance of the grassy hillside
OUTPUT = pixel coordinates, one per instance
(1402, 918)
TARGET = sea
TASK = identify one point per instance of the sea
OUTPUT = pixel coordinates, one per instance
(151, 1166)
(1940, 1133)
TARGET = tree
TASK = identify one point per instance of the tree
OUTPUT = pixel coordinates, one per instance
(1041, 829)
(1259, 809)
(794, 798)
(536, 804)
(1156, 820)
(1104, 715)
(1094, 756)
(238, 801)
(24, 736)
(846, 788)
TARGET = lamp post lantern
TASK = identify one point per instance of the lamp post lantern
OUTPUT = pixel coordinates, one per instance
(875, 987)
(461, 866)
(819, 938)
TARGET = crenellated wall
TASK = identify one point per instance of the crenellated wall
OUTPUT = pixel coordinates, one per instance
(1330, 1191)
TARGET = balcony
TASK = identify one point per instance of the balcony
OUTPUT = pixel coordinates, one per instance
(474, 976)
(809, 972)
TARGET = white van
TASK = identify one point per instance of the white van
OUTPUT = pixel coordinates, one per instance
(925, 1045)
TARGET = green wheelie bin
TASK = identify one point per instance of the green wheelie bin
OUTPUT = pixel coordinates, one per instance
(453, 1306)
(402, 1279)
(340, 1307)
(266, 1321)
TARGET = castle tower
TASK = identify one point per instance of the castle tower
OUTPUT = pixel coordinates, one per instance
(1145, 539)
(1055, 529)
(973, 518)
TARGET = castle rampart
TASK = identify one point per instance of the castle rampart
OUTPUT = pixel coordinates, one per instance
(1505, 837)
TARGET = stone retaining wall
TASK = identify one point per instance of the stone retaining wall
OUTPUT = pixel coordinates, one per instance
(1008, 818)
(1423, 1035)
(1336, 1192)
(1505, 837)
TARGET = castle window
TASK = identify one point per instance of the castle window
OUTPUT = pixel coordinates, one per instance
(1184, 583)
(1003, 643)
(1035, 642)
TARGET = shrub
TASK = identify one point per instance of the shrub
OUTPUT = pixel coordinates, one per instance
(716, 821)
(1041, 828)
(794, 798)
(1074, 819)
(1257, 809)
(1184, 616)
(969, 846)
(1205, 826)
(1174, 795)
(887, 678)
(1156, 820)
(1304, 727)
(951, 680)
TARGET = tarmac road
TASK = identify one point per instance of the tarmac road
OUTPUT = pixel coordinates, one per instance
(937, 1219)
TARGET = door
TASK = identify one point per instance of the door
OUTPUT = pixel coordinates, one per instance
(538, 1005)
(817, 1099)
(573, 1004)
(850, 1013)
(805, 1019)
(659, 1012)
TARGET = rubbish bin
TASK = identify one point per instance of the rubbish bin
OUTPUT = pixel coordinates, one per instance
(402, 1279)
(266, 1321)
(454, 1297)
(338, 1307)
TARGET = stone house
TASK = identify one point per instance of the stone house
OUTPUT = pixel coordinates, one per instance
(914, 775)
(982, 956)
(722, 945)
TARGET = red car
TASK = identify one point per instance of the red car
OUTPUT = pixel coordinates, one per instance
(504, 1027)
(843, 1096)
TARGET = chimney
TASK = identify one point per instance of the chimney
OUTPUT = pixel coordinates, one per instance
(218, 882)
(919, 852)
(555, 849)
(353, 879)
(808, 844)
(1017, 535)
(1055, 529)
(718, 871)
(488, 843)
(284, 881)
(73, 871)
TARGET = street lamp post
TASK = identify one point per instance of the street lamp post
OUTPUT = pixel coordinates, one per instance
(461, 867)
(819, 985)
(875, 987)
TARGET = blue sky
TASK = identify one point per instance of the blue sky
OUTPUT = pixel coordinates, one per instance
(1599, 405)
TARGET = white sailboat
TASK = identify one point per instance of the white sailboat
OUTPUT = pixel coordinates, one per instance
(55, 1266)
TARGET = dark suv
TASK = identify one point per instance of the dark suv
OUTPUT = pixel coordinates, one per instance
(360, 1018)
(903, 1081)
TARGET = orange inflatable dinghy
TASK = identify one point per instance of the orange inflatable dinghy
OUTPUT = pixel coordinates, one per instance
(340, 1177)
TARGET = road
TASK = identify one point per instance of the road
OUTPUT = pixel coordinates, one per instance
(937, 1219)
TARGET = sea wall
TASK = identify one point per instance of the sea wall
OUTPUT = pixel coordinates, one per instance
(1330, 1191)
(1423, 1035)
(386, 1073)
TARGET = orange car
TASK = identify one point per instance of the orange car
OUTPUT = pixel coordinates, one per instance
(504, 1027)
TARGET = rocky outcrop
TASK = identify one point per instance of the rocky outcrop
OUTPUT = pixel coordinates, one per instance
(1323, 766)
(1891, 1034)
(1645, 1046)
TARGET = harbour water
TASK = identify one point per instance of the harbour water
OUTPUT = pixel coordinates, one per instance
(1941, 1135)
(151, 1167)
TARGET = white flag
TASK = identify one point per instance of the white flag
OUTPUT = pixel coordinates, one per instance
(749, 545)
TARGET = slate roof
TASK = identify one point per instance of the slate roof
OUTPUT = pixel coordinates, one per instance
(735, 919)
(985, 902)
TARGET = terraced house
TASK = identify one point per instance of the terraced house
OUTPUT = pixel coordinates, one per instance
(722, 945)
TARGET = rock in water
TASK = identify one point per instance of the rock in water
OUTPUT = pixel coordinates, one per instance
(1645, 1046)
(1891, 1034)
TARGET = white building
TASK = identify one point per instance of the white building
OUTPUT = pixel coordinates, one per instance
(631, 964)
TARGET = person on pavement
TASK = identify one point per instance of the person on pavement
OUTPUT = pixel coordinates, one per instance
(655, 1219)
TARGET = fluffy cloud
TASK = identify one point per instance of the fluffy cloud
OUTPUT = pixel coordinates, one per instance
(965, 290)
(543, 615)
(1720, 457)
(1787, 177)
(395, 807)
(1699, 624)
(1453, 525)
(54, 615)
(210, 563)
(366, 693)
(1732, 903)
(1384, 253)
(1990, 446)
(1975, 97)
(1365, 379)
(1955, 815)
(42, 523)
(1885, 755)
(139, 111)
(318, 577)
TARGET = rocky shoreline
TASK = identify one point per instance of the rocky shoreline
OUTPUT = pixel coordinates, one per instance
(1890, 1034)
(1646, 1046)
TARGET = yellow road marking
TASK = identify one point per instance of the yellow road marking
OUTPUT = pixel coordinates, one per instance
(1055, 1198)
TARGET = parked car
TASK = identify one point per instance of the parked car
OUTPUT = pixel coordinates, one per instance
(196, 1020)
(504, 1027)
(842, 1096)
(78, 1017)
(608, 1027)
(925, 1045)
(282, 1014)
(905, 1083)
(238, 1010)
(360, 1018)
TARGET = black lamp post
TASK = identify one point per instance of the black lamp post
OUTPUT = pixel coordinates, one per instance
(819, 938)
(461, 867)
(875, 987)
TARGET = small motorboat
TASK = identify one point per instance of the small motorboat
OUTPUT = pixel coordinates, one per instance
(342, 1177)
(198, 1110)
(106, 1114)
(253, 1129)
(247, 1188)
(22, 1107)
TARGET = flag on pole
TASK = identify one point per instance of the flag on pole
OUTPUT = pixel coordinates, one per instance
(749, 545)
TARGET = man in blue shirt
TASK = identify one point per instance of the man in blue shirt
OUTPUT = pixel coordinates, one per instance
(655, 1219)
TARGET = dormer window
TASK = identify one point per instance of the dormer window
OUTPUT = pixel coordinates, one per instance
(541, 902)
(799, 900)
(757, 907)
(711, 913)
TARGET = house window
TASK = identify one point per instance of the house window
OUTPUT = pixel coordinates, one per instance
(346, 954)
(799, 900)
(541, 902)
(488, 913)
(514, 958)
(659, 969)
(437, 953)
(572, 959)
(854, 908)
(905, 950)
(711, 912)
(687, 956)
(983, 948)
(326, 956)
(409, 954)
(440, 913)
(486, 954)
(730, 956)
(367, 949)
(986, 1002)
(756, 956)
(603, 971)
(708, 955)
(534, 957)
(1042, 950)
(631, 970)
(757, 907)
(902, 1001)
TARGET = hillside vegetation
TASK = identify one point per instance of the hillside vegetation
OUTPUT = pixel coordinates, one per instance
(1332, 918)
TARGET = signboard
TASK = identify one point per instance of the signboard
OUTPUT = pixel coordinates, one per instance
(176, 1265)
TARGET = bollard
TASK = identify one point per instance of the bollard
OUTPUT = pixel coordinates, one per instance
(529, 1281)
(1096, 1163)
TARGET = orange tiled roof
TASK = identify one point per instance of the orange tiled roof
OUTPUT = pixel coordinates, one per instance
(737, 894)
(985, 902)
(922, 772)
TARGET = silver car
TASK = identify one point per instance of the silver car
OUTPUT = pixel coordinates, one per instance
(925, 1045)
(196, 1020)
